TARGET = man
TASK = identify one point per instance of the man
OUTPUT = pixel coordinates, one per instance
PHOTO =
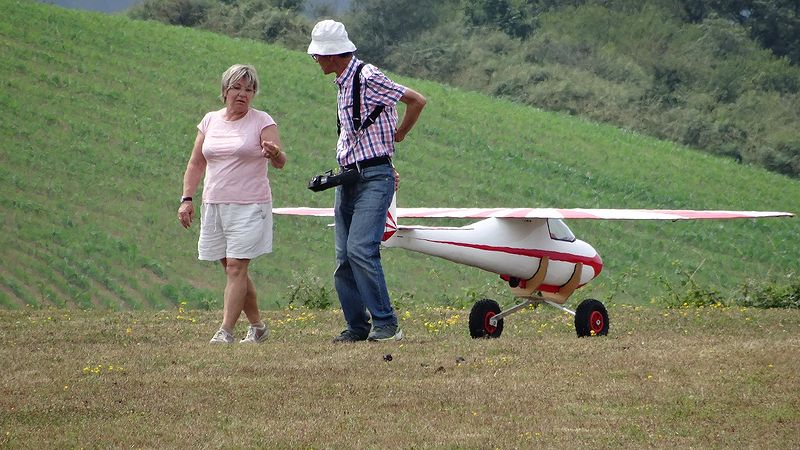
(361, 207)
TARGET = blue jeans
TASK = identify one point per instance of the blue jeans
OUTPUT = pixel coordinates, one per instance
(360, 217)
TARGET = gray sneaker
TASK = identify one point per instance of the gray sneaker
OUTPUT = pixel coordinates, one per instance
(387, 333)
(222, 337)
(255, 335)
(349, 336)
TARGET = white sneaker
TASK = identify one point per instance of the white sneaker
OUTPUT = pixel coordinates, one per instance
(222, 337)
(255, 335)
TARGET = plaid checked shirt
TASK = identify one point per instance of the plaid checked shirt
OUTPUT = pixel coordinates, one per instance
(376, 89)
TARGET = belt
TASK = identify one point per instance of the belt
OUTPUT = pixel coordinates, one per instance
(377, 161)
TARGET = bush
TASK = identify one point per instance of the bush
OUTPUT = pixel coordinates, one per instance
(276, 26)
(765, 295)
(187, 13)
(308, 290)
(689, 294)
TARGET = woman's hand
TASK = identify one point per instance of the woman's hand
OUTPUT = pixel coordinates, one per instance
(186, 213)
(271, 147)
(270, 150)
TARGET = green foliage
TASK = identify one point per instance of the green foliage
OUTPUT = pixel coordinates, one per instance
(186, 13)
(752, 294)
(687, 293)
(265, 20)
(390, 23)
(775, 24)
(506, 15)
(309, 291)
(277, 21)
(769, 295)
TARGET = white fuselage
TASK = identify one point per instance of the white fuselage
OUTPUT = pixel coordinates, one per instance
(508, 247)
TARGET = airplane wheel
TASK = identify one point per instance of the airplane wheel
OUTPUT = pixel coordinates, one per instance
(479, 325)
(591, 319)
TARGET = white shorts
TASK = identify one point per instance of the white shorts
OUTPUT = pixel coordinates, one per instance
(230, 230)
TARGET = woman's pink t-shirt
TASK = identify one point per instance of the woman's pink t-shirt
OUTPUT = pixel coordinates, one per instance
(236, 170)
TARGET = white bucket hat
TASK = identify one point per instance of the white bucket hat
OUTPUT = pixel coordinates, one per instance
(329, 38)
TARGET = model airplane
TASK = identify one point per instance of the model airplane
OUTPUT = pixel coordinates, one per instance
(532, 250)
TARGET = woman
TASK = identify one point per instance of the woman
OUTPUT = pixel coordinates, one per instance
(231, 150)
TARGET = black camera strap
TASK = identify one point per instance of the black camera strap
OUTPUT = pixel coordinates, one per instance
(348, 176)
(371, 117)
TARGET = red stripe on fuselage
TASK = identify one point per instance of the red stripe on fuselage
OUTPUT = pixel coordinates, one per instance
(594, 262)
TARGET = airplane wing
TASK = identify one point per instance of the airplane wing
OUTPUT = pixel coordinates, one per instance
(420, 227)
(580, 213)
(552, 213)
(303, 211)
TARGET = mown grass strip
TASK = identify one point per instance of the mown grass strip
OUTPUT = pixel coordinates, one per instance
(664, 377)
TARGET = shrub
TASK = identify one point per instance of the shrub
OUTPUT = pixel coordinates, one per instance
(308, 290)
(689, 294)
(768, 295)
(187, 13)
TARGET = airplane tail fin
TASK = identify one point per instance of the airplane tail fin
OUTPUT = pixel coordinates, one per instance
(391, 221)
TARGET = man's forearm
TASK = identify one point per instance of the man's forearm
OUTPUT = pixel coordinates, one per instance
(414, 102)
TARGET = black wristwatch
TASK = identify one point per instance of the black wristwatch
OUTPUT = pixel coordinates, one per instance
(186, 199)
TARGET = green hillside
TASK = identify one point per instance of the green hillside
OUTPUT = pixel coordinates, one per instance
(98, 116)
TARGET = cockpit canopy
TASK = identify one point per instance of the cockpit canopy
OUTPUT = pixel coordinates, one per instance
(559, 231)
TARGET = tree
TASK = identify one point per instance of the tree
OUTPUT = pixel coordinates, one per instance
(775, 24)
(501, 14)
(187, 13)
(377, 27)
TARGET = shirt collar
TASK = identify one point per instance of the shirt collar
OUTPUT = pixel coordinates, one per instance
(348, 72)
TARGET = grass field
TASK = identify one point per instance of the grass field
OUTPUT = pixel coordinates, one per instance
(105, 312)
(98, 115)
(663, 378)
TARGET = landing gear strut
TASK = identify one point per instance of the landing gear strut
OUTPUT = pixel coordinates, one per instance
(486, 317)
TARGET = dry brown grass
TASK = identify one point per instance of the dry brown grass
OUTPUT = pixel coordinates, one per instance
(702, 378)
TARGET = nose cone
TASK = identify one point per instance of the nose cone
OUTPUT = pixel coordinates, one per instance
(591, 259)
(599, 266)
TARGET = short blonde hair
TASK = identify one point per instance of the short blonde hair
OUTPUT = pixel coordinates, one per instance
(235, 73)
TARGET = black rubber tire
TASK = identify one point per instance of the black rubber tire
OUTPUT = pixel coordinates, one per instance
(591, 318)
(479, 316)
